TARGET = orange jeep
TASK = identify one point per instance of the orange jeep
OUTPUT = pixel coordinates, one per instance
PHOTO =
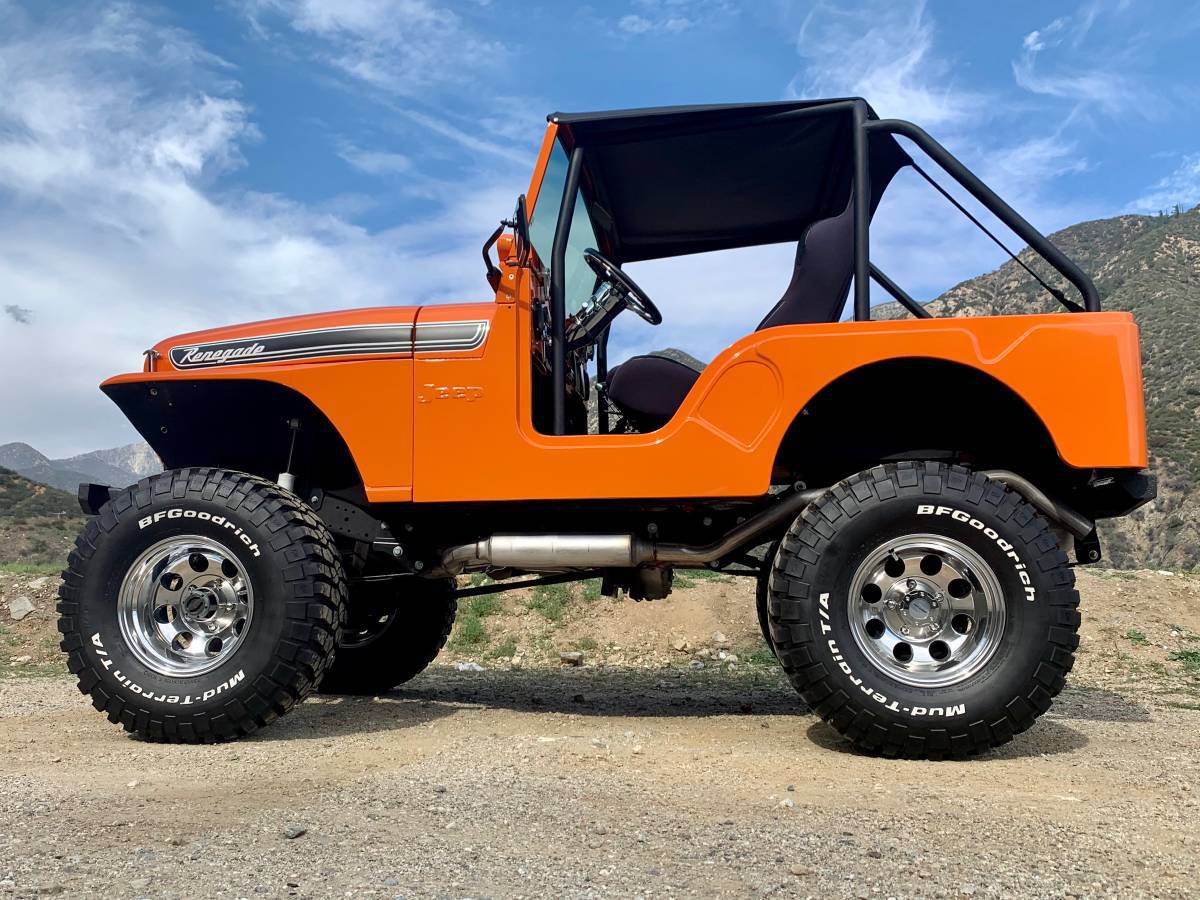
(907, 494)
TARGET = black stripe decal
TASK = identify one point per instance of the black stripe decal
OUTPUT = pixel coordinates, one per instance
(450, 336)
(350, 340)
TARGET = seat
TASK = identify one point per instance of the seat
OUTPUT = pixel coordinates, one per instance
(649, 389)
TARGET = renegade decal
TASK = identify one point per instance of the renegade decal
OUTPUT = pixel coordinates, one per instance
(348, 340)
(959, 516)
(194, 356)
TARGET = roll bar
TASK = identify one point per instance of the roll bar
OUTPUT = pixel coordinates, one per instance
(558, 291)
(980, 191)
(864, 269)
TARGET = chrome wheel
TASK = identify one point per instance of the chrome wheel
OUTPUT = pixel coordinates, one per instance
(926, 610)
(185, 605)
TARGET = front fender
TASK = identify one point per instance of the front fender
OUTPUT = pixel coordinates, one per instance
(355, 421)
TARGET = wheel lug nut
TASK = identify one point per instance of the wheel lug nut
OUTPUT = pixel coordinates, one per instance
(911, 584)
(904, 630)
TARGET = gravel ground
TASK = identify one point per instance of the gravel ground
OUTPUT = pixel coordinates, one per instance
(592, 782)
(674, 762)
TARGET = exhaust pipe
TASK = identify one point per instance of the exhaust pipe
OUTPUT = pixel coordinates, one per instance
(1073, 521)
(557, 552)
(767, 520)
(550, 552)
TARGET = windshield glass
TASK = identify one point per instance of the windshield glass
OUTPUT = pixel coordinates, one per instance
(580, 280)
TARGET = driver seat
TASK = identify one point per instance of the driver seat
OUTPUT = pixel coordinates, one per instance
(649, 389)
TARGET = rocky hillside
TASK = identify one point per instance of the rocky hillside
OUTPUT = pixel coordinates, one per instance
(38, 523)
(1149, 265)
(117, 466)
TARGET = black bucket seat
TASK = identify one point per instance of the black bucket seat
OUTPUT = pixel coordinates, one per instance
(649, 389)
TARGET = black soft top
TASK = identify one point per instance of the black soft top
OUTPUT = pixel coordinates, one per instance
(672, 180)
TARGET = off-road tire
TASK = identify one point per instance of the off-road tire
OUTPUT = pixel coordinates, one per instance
(762, 593)
(290, 560)
(409, 642)
(809, 610)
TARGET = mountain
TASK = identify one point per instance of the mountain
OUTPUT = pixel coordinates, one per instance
(117, 466)
(15, 457)
(1149, 265)
(137, 458)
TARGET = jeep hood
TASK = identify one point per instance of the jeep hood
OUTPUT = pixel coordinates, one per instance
(379, 331)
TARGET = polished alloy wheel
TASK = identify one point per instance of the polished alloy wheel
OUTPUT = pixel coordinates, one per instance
(926, 610)
(185, 606)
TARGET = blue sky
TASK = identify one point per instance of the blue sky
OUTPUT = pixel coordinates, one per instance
(165, 167)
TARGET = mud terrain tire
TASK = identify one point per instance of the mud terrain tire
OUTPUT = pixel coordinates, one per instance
(412, 633)
(762, 593)
(229, 535)
(845, 678)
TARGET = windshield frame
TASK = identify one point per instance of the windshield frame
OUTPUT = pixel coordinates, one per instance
(579, 280)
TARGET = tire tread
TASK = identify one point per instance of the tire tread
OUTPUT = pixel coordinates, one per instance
(314, 610)
(791, 632)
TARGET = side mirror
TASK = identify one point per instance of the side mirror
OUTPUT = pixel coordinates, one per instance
(521, 230)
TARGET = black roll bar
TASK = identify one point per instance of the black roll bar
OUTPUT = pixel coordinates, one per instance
(980, 191)
(899, 294)
(862, 215)
(558, 292)
(601, 378)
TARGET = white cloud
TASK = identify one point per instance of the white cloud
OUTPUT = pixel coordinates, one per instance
(406, 54)
(1069, 72)
(116, 230)
(1181, 187)
(403, 47)
(885, 53)
(674, 16)
(635, 24)
(374, 162)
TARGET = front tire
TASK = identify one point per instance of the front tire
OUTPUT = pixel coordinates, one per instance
(200, 605)
(395, 630)
(924, 611)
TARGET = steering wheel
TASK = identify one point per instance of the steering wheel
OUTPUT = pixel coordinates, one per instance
(631, 295)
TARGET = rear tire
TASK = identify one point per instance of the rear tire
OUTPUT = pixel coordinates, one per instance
(924, 611)
(200, 605)
(762, 593)
(394, 632)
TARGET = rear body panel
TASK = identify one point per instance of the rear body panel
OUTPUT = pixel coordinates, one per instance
(1080, 374)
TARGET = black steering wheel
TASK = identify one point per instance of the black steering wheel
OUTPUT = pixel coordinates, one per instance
(631, 295)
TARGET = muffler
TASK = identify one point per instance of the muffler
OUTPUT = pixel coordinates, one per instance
(537, 552)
